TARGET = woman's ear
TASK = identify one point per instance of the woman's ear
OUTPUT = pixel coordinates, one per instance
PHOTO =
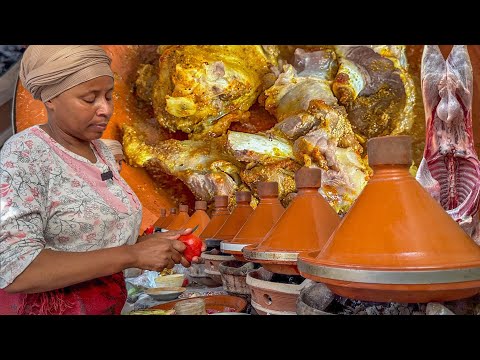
(49, 105)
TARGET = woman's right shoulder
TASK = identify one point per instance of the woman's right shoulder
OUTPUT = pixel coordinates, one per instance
(26, 143)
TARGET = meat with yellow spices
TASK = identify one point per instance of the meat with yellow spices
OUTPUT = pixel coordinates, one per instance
(193, 86)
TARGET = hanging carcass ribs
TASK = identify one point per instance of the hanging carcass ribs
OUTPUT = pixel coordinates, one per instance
(450, 169)
(202, 91)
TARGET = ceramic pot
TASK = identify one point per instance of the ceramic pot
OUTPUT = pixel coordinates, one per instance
(181, 218)
(306, 225)
(396, 243)
(260, 221)
(219, 216)
(236, 219)
(234, 276)
(212, 260)
(199, 218)
(272, 298)
(314, 299)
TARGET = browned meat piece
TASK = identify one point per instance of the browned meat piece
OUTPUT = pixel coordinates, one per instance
(282, 172)
(197, 85)
(205, 167)
(309, 116)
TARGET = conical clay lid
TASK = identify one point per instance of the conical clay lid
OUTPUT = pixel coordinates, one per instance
(219, 216)
(262, 219)
(237, 218)
(163, 224)
(306, 225)
(199, 218)
(396, 243)
(161, 218)
(181, 218)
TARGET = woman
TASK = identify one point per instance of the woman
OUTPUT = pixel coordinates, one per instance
(69, 222)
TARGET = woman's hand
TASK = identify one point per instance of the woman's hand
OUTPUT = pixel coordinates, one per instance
(162, 250)
(195, 259)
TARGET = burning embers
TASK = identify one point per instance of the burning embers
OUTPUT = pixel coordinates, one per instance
(450, 167)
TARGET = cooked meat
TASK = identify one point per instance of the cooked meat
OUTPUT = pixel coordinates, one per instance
(205, 167)
(197, 85)
(232, 116)
(310, 117)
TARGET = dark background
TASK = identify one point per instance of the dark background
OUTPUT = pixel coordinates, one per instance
(9, 64)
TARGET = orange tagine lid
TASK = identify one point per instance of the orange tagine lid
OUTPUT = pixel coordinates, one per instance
(161, 218)
(259, 223)
(181, 218)
(219, 216)
(396, 243)
(199, 218)
(237, 218)
(306, 225)
(166, 222)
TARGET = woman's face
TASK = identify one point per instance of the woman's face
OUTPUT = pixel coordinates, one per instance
(84, 110)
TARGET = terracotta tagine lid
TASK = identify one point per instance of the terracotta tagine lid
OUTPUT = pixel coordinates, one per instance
(236, 219)
(199, 218)
(166, 222)
(396, 243)
(162, 217)
(219, 216)
(260, 221)
(181, 218)
(306, 225)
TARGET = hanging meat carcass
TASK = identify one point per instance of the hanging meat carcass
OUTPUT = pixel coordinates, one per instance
(450, 169)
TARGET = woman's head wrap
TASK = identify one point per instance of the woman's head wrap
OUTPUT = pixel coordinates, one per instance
(115, 147)
(48, 70)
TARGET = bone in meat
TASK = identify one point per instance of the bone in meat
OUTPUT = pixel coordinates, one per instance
(309, 115)
(205, 167)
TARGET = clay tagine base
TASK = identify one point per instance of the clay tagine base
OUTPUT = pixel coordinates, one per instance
(392, 286)
(233, 249)
(274, 261)
(272, 297)
(240, 258)
(234, 275)
(403, 293)
(283, 268)
(212, 260)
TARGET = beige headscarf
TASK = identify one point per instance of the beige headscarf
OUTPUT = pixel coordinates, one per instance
(48, 70)
(115, 147)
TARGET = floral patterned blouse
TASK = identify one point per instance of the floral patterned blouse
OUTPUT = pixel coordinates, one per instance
(52, 198)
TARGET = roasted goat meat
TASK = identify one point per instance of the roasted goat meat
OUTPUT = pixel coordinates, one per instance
(450, 169)
(309, 115)
(193, 86)
(266, 158)
(326, 100)
(204, 166)
(376, 89)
